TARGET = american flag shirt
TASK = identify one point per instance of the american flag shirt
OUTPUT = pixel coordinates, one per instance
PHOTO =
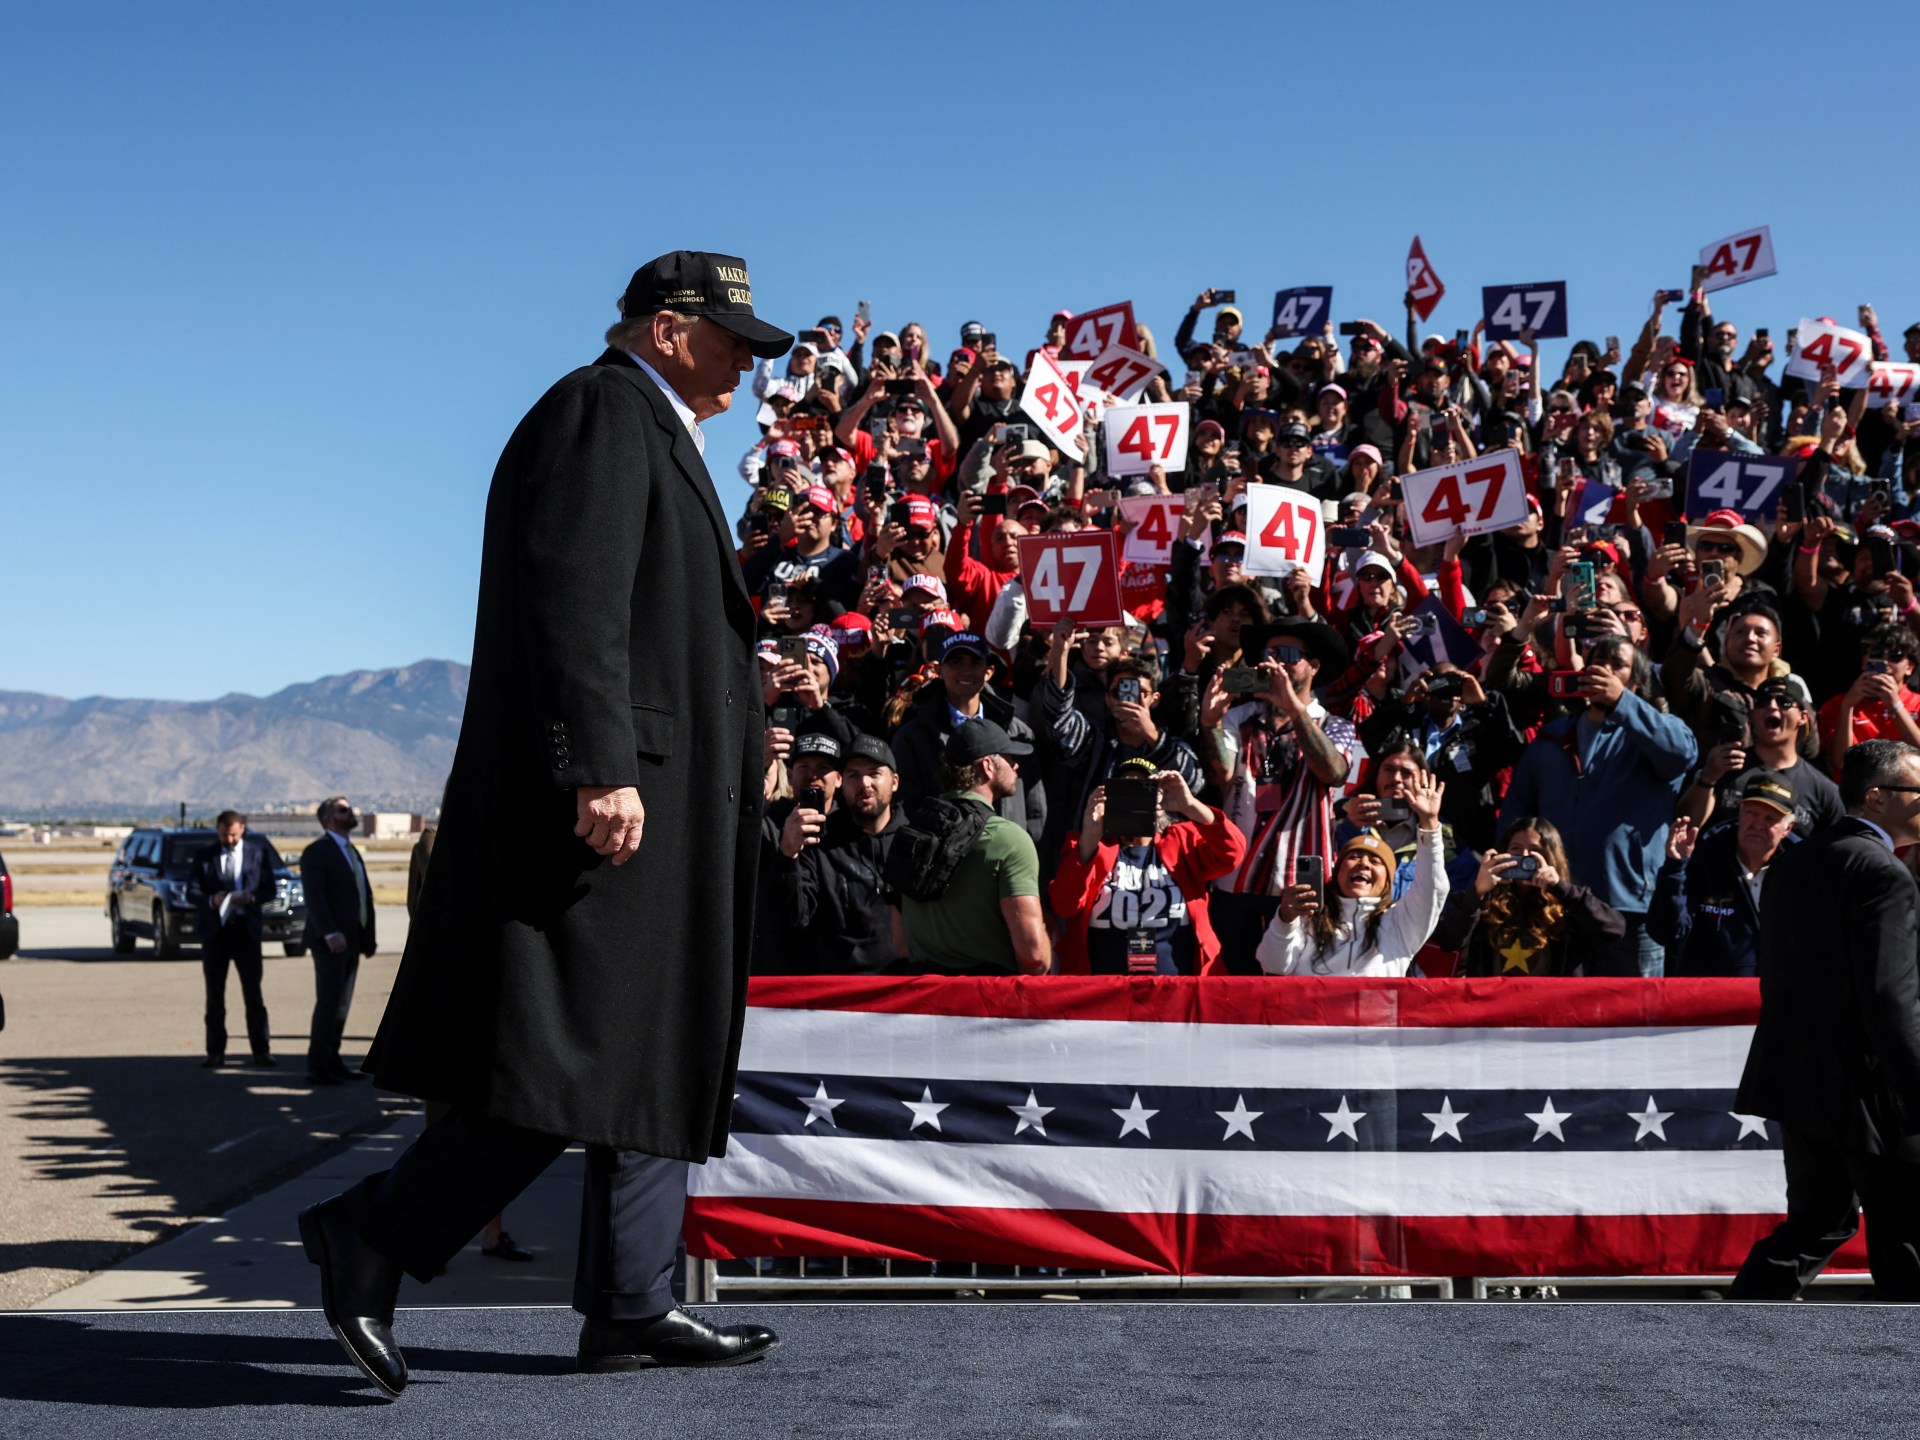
(1276, 800)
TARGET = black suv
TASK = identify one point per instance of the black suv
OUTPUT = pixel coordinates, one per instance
(9, 927)
(147, 893)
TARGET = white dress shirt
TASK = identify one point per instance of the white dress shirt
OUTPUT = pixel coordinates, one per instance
(680, 407)
(230, 863)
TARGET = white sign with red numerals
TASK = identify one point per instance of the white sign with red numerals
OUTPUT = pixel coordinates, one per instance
(1091, 334)
(1121, 374)
(1738, 259)
(1284, 532)
(1139, 437)
(1153, 526)
(1051, 402)
(1468, 497)
(1071, 574)
(1820, 343)
(1893, 382)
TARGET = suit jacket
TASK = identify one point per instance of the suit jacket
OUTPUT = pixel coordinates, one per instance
(257, 883)
(1836, 1051)
(541, 985)
(333, 898)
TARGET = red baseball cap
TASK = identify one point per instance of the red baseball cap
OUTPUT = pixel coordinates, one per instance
(931, 584)
(939, 619)
(823, 499)
(784, 447)
(851, 629)
(922, 513)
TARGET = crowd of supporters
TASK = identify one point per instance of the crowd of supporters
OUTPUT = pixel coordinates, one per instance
(1572, 746)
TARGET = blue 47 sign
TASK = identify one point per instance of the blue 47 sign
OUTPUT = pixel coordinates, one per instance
(1509, 309)
(1752, 484)
(1302, 310)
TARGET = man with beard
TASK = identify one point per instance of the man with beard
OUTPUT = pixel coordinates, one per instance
(984, 397)
(838, 914)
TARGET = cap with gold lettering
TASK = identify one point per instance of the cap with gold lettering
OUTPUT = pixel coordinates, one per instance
(694, 282)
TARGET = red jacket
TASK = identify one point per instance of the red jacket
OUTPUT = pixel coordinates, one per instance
(1197, 855)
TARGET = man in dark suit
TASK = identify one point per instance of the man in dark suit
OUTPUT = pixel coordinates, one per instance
(1836, 1052)
(229, 883)
(340, 929)
(586, 983)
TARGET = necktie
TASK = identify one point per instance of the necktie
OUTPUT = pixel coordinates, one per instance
(360, 884)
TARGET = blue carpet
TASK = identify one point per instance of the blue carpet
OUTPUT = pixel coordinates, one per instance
(1013, 1370)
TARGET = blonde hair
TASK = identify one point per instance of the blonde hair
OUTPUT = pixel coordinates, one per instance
(627, 333)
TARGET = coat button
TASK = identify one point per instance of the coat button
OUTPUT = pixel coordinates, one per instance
(729, 794)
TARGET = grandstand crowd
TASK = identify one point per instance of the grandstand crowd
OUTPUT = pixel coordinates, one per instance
(1570, 746)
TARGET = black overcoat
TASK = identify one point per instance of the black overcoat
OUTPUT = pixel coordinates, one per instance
(1836, 1051)
(542, 985)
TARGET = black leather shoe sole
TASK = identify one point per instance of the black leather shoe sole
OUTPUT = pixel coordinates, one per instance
(615, 1364)
(314, 1240)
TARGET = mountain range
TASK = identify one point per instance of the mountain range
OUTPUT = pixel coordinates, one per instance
(384, 737)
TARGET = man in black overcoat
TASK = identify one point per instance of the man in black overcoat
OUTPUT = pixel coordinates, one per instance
(1836, 1053)
(577, 964)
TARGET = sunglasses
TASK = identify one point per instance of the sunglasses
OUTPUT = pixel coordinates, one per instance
(1286, 654)
(1291, 444)
(1715, 547)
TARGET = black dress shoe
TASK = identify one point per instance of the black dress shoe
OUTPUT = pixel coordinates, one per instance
(213, 1062)
(505, 1248)
(314, 1077)
(346, 1076)
(264, 1062)
(675, 1338)
(358, 1286)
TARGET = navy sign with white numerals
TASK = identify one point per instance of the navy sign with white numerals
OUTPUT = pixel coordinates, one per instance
(1509, 309)
(1751, 484)
(1302, 310)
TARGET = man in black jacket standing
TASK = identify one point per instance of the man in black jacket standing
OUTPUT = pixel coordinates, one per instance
(231, 881)
(831, 869)
(1836, 1052)
(589, 981)
(340, 929)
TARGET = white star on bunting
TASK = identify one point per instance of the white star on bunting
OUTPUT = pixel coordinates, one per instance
(819, 1106)
(1446, 1120)
(1651, 1121)
(1749, 1125)
(1549, 1121)
(1239, 1119)
(926, 1110)
(1135, 1118)
(1032, 1114)
(1342, 1121)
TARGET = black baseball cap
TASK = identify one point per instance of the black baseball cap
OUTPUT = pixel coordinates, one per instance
(817, 742)
(872, 747)
(694, 282)
(979, 738)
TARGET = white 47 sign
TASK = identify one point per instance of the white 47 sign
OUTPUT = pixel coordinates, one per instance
(1073, 575)
(1138, 437)
(1737, 259)
(1051, 402)
(1468, 497)
(1284, 532)
(1820, 345)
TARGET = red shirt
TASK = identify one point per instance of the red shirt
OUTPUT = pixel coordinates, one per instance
(864, 451)
(1871, 720)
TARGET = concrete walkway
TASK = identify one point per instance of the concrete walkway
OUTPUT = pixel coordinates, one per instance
(251, 1256)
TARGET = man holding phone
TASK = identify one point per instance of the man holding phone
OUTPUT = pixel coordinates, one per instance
(1279, 756)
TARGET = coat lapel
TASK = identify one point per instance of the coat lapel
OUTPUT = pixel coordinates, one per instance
(687, 458)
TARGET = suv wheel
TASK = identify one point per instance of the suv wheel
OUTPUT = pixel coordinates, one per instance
(165, 943)
(122, 937)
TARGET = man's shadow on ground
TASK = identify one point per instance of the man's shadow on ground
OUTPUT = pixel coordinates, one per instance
(70, 1360)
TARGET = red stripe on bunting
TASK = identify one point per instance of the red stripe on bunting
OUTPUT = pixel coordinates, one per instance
(1454, 1245)
(1293, 1000)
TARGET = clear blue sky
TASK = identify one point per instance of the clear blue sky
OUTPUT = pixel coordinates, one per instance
(279, 280)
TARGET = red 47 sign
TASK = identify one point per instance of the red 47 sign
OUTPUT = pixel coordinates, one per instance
(1422, 283)
(1468, 497)
(1098, 330)
(1284, 532)
(1821, 343)
(1138, 437)
(1154, 522)
(1071, 574)
(1738, 259)
(1052, 402)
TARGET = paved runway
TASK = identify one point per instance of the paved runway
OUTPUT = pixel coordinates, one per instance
(1000, 1370)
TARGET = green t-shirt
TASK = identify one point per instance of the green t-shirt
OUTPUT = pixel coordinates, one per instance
(964, 931)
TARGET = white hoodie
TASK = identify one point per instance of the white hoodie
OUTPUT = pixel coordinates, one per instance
(1288, 946)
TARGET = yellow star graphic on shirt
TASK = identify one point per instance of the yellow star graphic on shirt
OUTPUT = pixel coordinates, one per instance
(1517, 957)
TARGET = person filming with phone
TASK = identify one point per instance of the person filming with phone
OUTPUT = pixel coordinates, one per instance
(1361, 929)
(1131, 887)
(1523, 914)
